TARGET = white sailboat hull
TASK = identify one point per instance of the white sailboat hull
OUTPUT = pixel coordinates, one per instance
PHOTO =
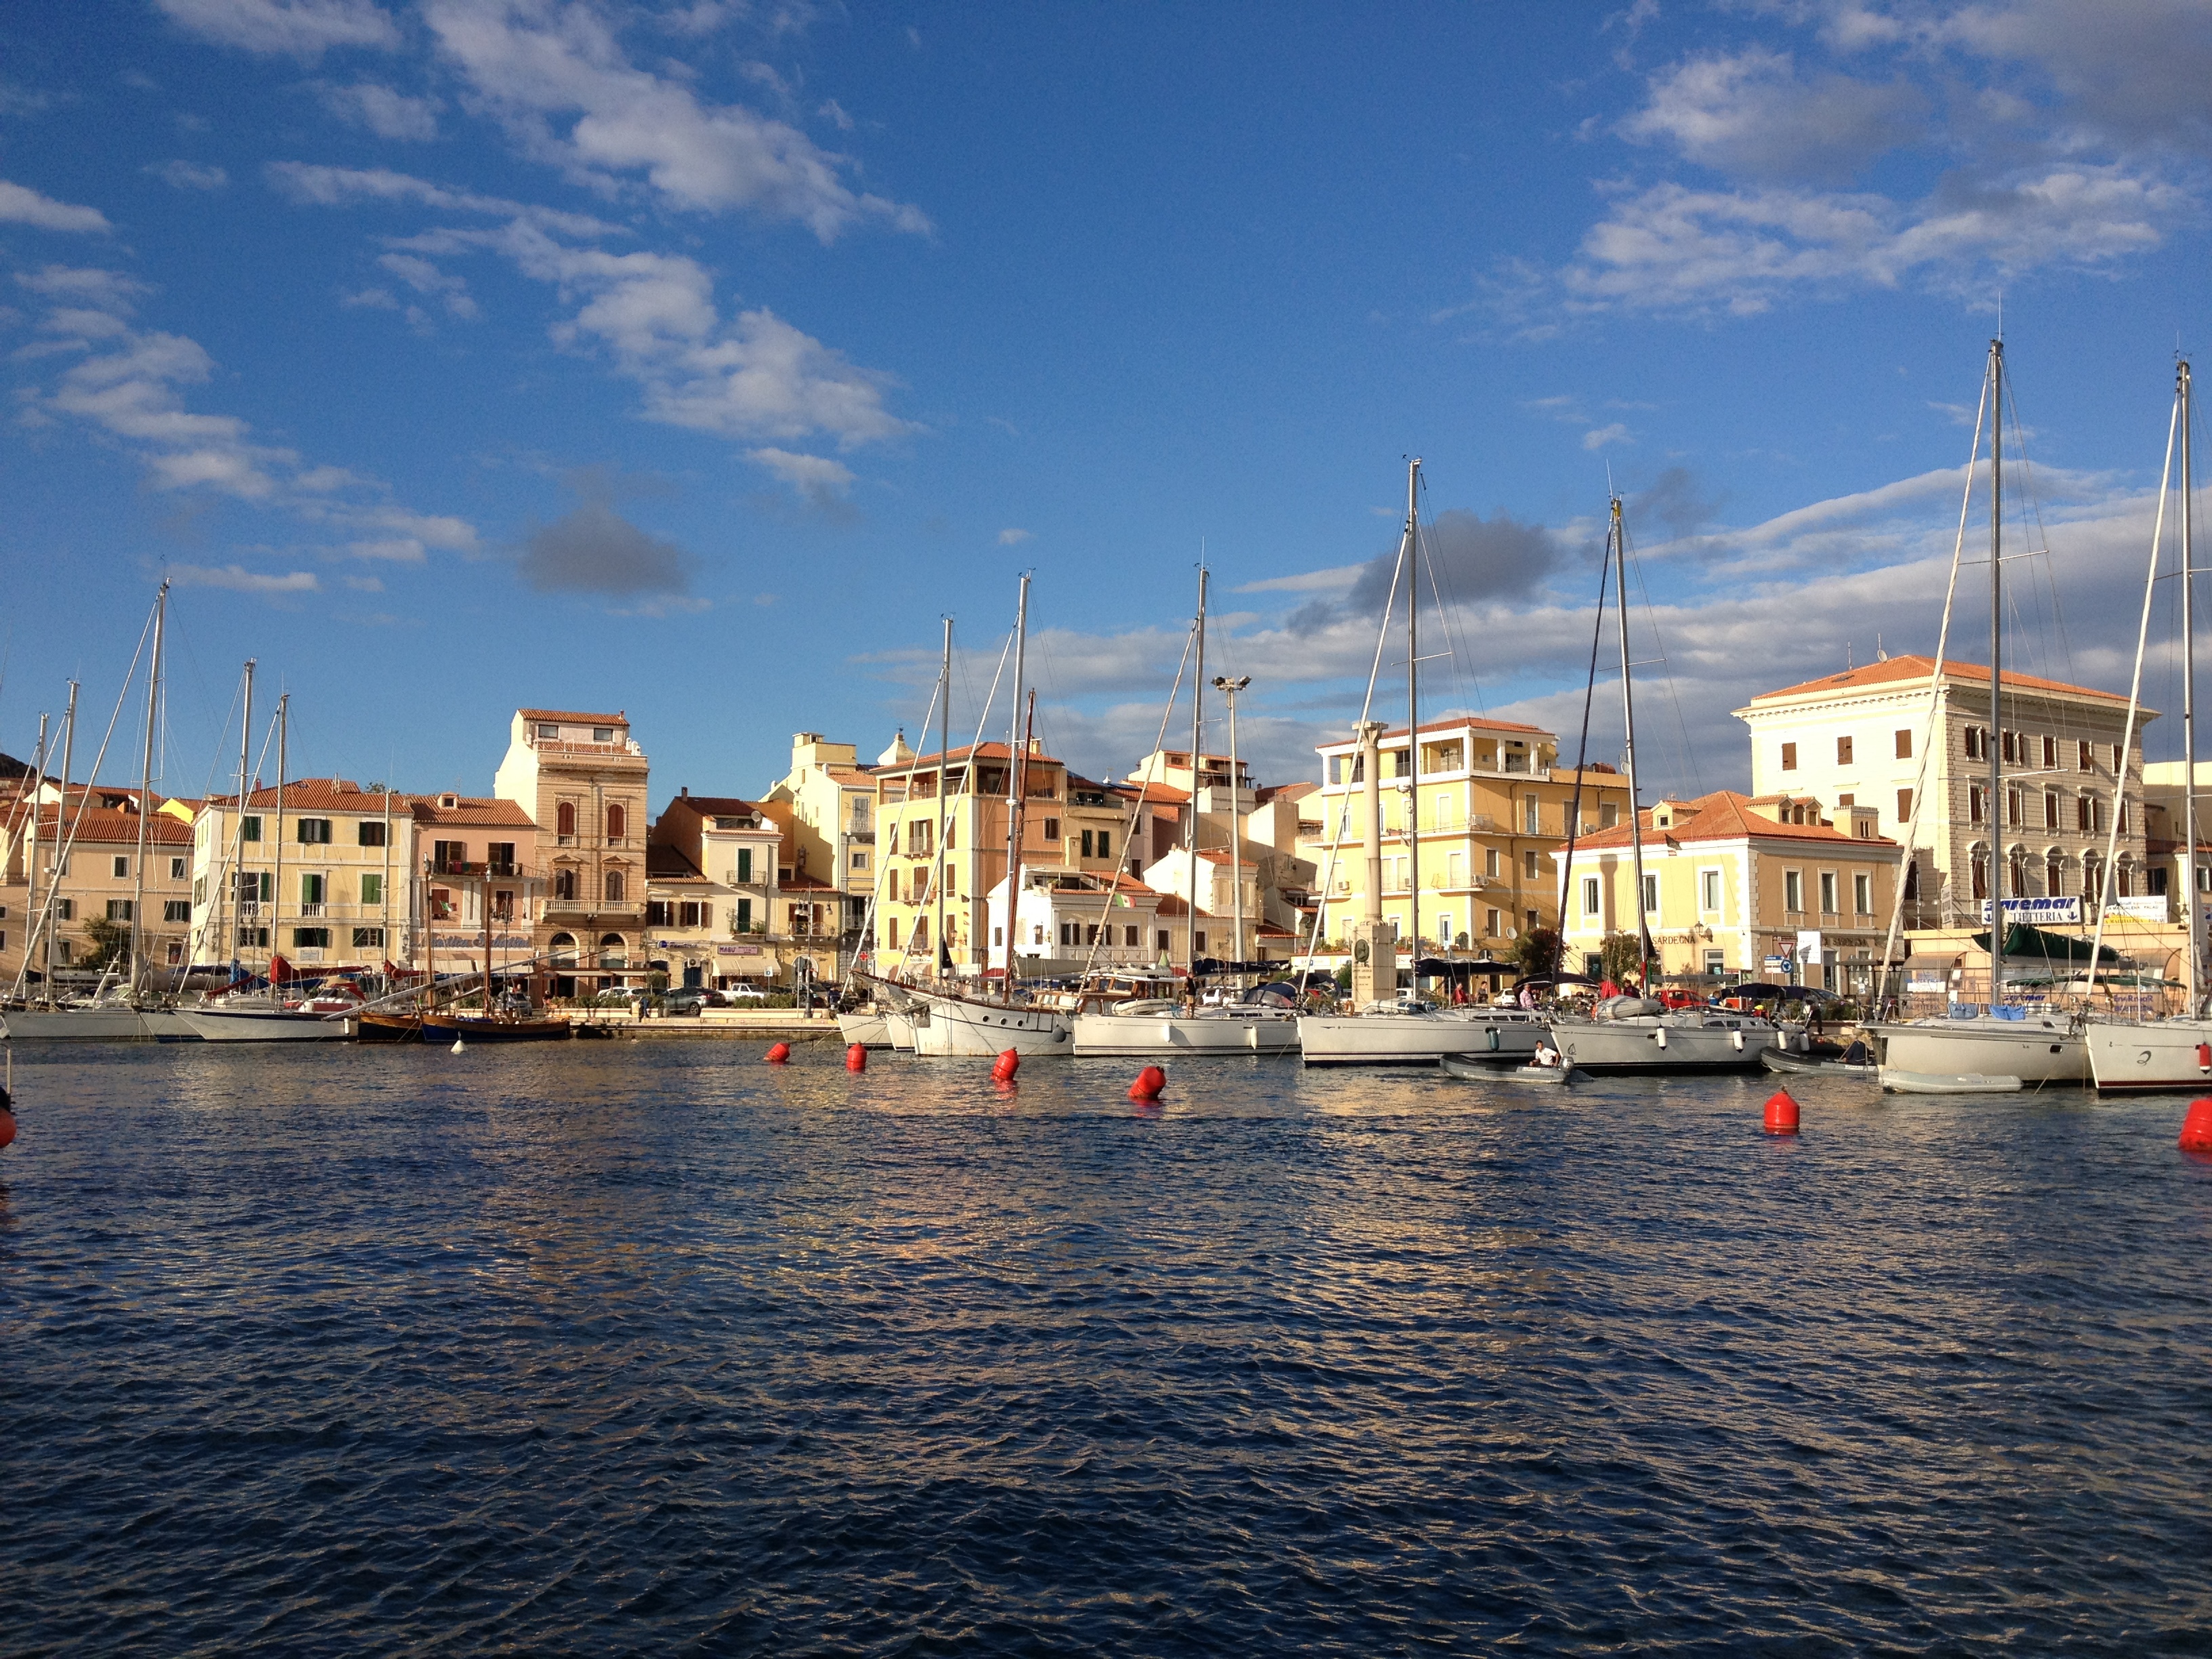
(957, 1029)
(95, 1025)
(1407, 1039)
(2156, 1054)
(871, 1030)
(1265, 1032)
(2036, 1050)
(262, 1025)
(1654, 1045)
(898, 1026)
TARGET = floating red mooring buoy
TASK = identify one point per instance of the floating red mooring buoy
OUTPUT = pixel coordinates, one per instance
(778, 1053)
(856, 1057)
(1149, 1083)
(1003, 1067)
(2195, 1129)
(1781, 1114)
(7, 1129)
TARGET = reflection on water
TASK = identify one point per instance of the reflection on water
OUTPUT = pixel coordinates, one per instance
(654, 1346)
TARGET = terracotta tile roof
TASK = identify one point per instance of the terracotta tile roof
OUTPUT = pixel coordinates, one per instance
(1286, 792)
(953, 757)
(717, 806)
(1457, 723)
(571, 717)
(99, 826)
(799, 884)
(854, 775)
(1215, 855)
(478, 811)
(666, 863)
(1919, 668)
(1172, 904)
(1166, 793)
(1725, 815)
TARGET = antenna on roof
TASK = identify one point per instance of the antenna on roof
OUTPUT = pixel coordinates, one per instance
(1880, 655)
(1848, 663)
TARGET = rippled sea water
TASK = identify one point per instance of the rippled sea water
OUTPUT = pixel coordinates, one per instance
(622, 1347)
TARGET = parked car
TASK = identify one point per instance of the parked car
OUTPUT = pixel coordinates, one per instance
(745, 994)
(690, 999)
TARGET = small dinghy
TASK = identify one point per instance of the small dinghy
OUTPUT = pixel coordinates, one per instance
(1474, 1071)
(1932, 1083)
(1857, 1060)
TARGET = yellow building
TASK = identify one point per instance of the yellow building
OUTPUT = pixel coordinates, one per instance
(582, 778)
(830, 823)
(1738, 887)
(1492, 816)
(88, 870)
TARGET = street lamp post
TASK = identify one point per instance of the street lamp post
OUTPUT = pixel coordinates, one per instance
(1229, 689)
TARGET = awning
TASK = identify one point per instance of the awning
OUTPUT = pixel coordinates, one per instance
(2022, 941)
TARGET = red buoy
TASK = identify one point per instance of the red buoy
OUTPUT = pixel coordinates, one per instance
(856, 1057)
(1781, 1114)
(2195, 1129)
(1149, 1083)
(1003, 1067)
(778, 1053)
(7, 1129)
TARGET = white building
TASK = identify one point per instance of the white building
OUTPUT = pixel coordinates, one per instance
(1069, 920)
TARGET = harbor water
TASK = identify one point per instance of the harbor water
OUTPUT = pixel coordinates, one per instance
(621, 1347)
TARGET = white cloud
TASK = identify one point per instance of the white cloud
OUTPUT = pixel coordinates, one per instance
(376, 299)
(424, 277)
(1312, 581)
(108, 289)
(1749, 113)
(301, 28)
(326, 186)
(1012, 537)
(1599, 437)
(539, 64)
(20, 205)
(188, 175)
(805, 472)
(240, 579)
(385, 110)
(397, 549)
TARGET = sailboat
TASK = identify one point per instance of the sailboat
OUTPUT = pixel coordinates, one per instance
(2163, 1054)
(1161, 1028)
(2033, 1044)
(1640, 1034)
(1391, 1030)
(948, 1024)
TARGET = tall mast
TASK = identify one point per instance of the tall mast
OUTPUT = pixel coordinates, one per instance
(1229, 689)
(1413, 714)
(939, 959)
(64, 840)
(1998, 864)
(1628, 723)
(1197, 765)
(2189, 900)
(238, 836)
(277, 894)
(1013, 798)
(145, 789)
(31, 860)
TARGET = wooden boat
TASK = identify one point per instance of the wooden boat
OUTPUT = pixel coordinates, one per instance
(1932, 1083)
(377, 1025)
(495, 1028)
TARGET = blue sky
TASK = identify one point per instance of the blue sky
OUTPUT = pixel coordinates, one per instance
(695, 359)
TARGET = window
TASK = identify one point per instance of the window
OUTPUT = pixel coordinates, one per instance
(122, 868)
(1105, 851)
(656, 913)
(860, 860)
(1129, 936)
(687, 914)
(917, 839)
(1051, 828)
(370, 831)
(1790, 757)
(1528, 863)
(1532, 816)
(176, 910)
(1490, 862)
(1827, 892)
(564, 884)
(549, 731)
(613, 886)
(745, 868)
(602, 734)
(1651, 896)
(2012, 806)
(249, 827)
(2049, 754)
(2084, 815)
(1981, 875)
(199, 892)
(1590, 901)
(445, 854)
(2054, 875)
(1863, 895)
(1843, 801)
(616, 821)
(744, 919)
(1709, 891)
(1903, 740)
(998, 936)
(255, 886)
(310, 938)
(564, 820)
(1090, 936)
(1608, 814)
(1162, 947)
(2050, 811)
(118, 909)
(2010, 742)
(891, 932)
(2083, 761)
(63, 950)
(369, 939)
(1793, 890)
(2116, 760)
(1087, 852)
(310, 888)
(314, 832)
(1490, 921)
(1904, 806)
(372, 889)
(1978, 746)
(1973, 803)
(179, 869)
(1201, 941)
(1843, 751)
(2127, 879)
(499, 855)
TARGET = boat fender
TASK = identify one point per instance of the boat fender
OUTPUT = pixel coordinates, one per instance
(1736, 1037)
(1492, 1035)
(2204, 1057)
(1659, 1036)
(7, 1119)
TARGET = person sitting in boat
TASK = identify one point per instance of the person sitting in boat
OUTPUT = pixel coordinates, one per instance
(1546, 1055)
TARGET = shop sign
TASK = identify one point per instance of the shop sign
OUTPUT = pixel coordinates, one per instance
(736, 950)
(2048, 911)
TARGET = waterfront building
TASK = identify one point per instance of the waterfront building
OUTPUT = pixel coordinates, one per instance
(713, 893)
(1491, 820)
(1853, 740)
(1217, 881)
(1737, 887)
(971, 819)
(482, 870)
(581, 778)
(87, 855)
(830, 827)
(1071, 920)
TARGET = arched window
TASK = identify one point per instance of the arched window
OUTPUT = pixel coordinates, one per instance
(612, 951)
(2016, 873)
(614, 886)
(615, 822)
(564, 817)
(563, 947)
(2054, 872)
(1981, 863)
(2092, 877)
(2126, 872)
(564, 883)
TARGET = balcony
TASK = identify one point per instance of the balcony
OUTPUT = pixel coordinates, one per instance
(310, 910)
